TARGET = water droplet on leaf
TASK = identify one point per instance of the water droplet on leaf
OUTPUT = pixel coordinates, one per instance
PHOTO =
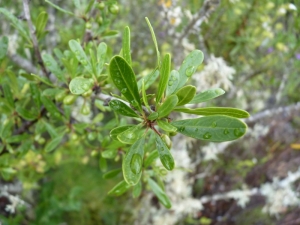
(136, 163)
(77, 52)
(134, 102)
(181, 129)
(237, 132)
(225, 131)
(124, 90)
(167, 161)
(170, 83)
(189, 71)
(214, 124)
(207, 135)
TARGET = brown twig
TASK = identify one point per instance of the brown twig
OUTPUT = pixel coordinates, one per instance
(33, 37)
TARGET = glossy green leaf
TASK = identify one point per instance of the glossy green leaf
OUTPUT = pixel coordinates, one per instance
(101, 54)
(164, 77)
(119, 189)
(153, 116)
(154, 41)
(16, 23)
(8, 94)
(6, 128)
(111, 174)
(126, 45)
(212, 128)
(168, 105)
(121, 108)
(118, 130)
(51, 92)
(109, 33)
(109, 153)
(3, 46)
(131, 135)
(59, 8)
(26, 114)
(80, 55)
(42, 79)
(165, 156)
(50, 106)
(53, 144)
(35, 94)
(137, 190)
(133, 162)
(149, 79)
(161, 195)
(173, 82)
(209, 111)
(124, 79)
(207, 95)
(164, 125)
(189, 66)
(53, 66)
(150, 158)
(40, 24)
(185, 94)
(80, 85)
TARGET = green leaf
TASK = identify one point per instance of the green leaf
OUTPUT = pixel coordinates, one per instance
(101, 54)
(77, 4)
(126, 45)
(124, 79)
(42, 79)
(51, 92)
(189, 66)
(133, 162)
(149, 79)
(150, 158)
(185, 94)
(102, 164)
(109, 33)
(153, 116)
(80, 85)
(16, 23)
(212, 128)
(3, 46)
(80, 55)
(40, 24)
(167, 107)
(8, 94)
(207, 95)
(121, 108)
(53, 66)
(118, 130)
(173, 82)
(209, 111)
(161, 195)
(165, 156)
(50, 106)
(59, 8)
(131, 135)
(137, 190)
(35, 93)
(119, 189)
(26, 114)
(17, 138)
(53, 143)
(166, 126)
(109, 153)
(144, 96)
(111, 174)
(164, 77)
(154, 40)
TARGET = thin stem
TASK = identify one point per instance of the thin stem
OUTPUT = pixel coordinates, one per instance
(33, 37)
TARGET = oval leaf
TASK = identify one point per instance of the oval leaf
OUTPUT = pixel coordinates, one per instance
(80, 85)
(119, 189)
(101, 54)
(53, 143)
(173, 82)
(118, 130)
(209, 111)
(131, 135)
(133, 162)
(165, 156)
(207, 95)
(150, 158)
(189, 66)
(212, 128)
(111, 174)
(126, 45)
(168, 105)
(166, 126)
(124, 79)
(153, 116)
(164, 77)
(121, 108)
(53, 66)
(185, 94)
(161, 195)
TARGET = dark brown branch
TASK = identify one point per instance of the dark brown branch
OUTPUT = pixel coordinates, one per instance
(33, 37)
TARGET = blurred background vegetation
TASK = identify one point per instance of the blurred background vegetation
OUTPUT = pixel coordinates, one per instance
(252, 51)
